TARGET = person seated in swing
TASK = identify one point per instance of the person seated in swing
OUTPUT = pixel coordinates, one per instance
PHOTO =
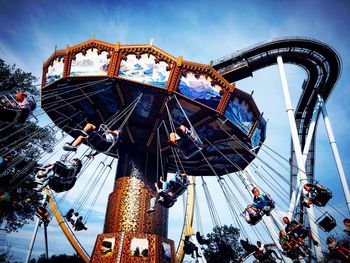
(24, 105)
(91, 134)
(167, 195)
(4, 160)
(346, 223)
(317, 194)
(186, 140)
(338, 250)
(74, 218)
(60, 170)
(251, 215)
(69, 214)
(159, 197)
(287, 245)
(265, 251)
(43, 213)
(201, 240)
(297, 231)
(262, 202)
(79, 225)
(190, 248)
(249, 249)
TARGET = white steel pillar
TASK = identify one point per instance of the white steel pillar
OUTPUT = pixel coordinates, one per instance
(301, 175)
(336, 155)
(31, 245)
(307, 145)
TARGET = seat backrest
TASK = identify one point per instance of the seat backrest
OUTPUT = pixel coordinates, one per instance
(9, 115)
(327, 223)
(178, 186)
(62, 170)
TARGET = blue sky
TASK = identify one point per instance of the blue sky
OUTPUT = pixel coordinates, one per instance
(200, 31)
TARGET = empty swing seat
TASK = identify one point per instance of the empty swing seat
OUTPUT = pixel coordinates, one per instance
(326, 222)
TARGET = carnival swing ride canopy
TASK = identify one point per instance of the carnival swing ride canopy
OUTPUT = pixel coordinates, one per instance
(94, 80)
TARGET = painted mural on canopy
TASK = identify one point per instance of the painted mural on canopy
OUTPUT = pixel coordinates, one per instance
(239, 113)
(54, 71)
(145, 69)
(200, 88)
(90, 64)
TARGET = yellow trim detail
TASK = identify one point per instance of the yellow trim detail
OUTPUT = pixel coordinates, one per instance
(187, 229)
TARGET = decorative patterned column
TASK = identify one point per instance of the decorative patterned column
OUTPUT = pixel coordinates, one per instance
(130, 233)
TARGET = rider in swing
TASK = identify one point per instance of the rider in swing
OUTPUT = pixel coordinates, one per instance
(165, 193)
(92, 135)
(186, 139)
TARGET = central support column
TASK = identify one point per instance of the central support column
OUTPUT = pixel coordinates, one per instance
(130, 233)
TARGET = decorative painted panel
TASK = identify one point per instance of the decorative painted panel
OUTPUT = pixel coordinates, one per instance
(145, 69)
(239, 113)
(200, 88)
(139, 247)
(55, 71)
(259, 134)
(90, 64)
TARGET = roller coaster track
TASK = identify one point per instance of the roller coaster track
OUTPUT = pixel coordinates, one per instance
(323, 68)
(321, 63)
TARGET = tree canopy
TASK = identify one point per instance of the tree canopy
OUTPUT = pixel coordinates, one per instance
(12, 78)
(23, 144)
(63, 258)
(224, 246)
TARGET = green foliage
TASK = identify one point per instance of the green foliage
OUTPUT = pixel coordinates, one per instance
(24, 144)
(224, 246)
(63, 258)
(13, 78)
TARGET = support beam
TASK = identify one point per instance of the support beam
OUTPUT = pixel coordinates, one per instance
(307, 145)
(336, 155)
(46, 243)
(31, 245)
(301, 175)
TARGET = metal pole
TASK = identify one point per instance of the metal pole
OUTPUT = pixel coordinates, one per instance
(33, 240)
(46, 243)
(336, 155)
(298, 153)
(307, 145)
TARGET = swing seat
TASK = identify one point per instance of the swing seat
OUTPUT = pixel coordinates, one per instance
(61, 184)
(267, 209)
(98, 141)
(13, 115)
(189, 145)
(322, 198)
(327, 222)
(253, 220)
(167, 201)
(61, 170)
(178, 187)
